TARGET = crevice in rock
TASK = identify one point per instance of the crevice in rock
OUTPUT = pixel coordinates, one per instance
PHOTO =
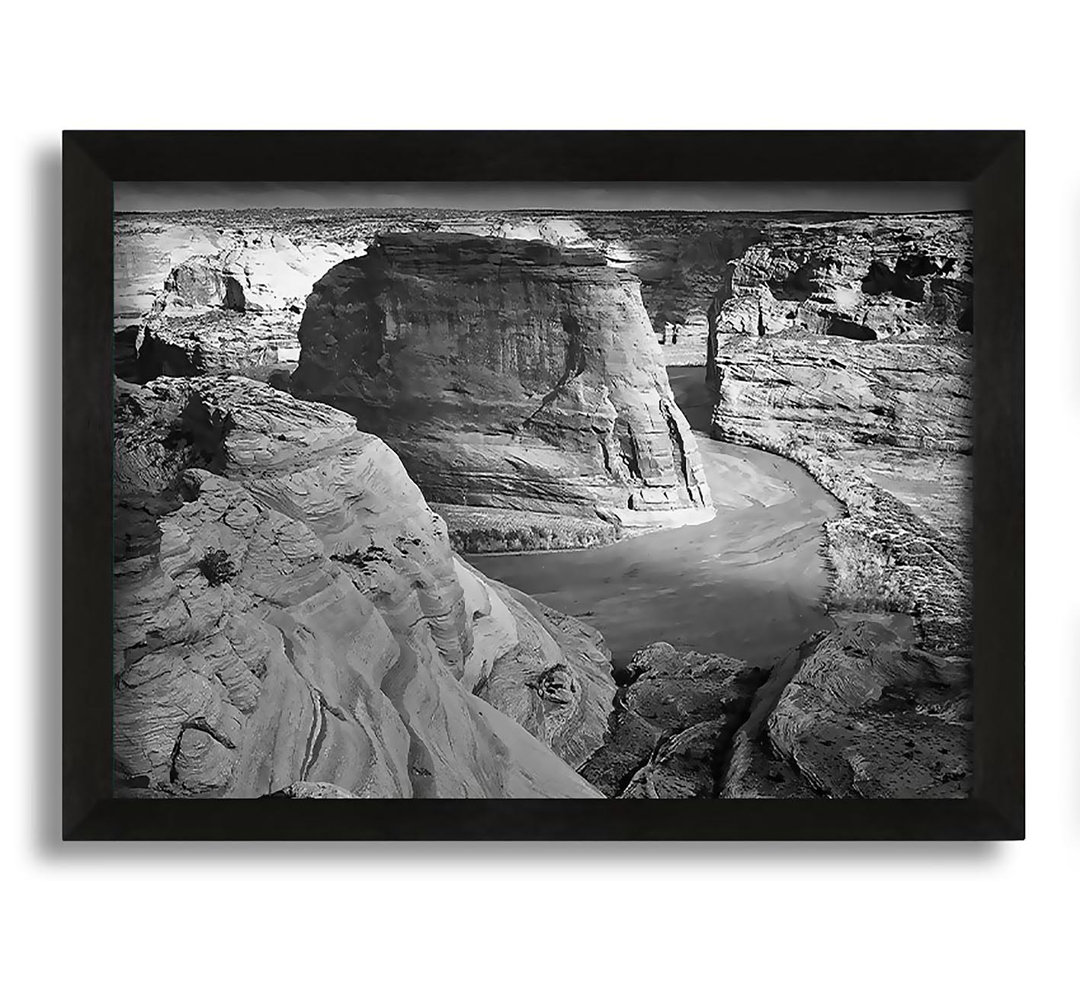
(234, 295)
(573, 365)
(202, 726)
(678, 449)
(202, 432)
(628, 451)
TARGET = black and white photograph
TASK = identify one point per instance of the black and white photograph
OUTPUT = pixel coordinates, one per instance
(559, 499)
(511, 490)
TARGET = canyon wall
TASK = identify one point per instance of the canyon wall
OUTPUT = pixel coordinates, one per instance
(507, 374)
(195, 299)
(848, 347)
(290, 618)
(681, 258)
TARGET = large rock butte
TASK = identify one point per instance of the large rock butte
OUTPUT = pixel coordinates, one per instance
(507, 374)
(289, 615)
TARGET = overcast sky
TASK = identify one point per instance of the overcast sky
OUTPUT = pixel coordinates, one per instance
(134, 196)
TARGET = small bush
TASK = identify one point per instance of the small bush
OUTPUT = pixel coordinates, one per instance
(865, 574)
(217, 567)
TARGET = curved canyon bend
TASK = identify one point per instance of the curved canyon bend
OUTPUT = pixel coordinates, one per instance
(749, 583)
(372, 470)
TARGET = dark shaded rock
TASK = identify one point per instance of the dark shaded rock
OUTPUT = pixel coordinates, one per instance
(671, 724)
(126, 353)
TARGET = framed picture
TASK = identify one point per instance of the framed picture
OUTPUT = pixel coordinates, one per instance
(543, 485)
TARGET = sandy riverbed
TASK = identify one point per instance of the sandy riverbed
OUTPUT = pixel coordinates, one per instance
(748, 583)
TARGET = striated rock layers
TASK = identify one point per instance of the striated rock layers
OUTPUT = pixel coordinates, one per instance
(507, 374)
(671, 724)
(848, 347)
(290, 618)
(859, 712)
(202, 300)
(847, 335)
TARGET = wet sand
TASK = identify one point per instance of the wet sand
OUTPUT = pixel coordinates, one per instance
(748, 583)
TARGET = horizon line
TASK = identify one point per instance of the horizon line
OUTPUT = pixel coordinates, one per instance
(906, 197)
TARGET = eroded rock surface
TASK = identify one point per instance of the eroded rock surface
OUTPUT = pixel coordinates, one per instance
(672, 723)
(208, 300)
(507, 374)
(859, 712)
(847, 346)
(288, 609)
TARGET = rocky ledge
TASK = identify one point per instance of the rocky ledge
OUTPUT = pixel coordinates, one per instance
(290, 616)
(859, 712)
(862, 712)
(508, 374)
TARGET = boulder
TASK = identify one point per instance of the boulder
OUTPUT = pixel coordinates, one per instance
(672, 723)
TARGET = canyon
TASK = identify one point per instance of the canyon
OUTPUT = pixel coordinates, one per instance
(749, 434)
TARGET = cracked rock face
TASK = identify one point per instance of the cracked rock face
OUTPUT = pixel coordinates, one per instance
(672, 723)
(848, 334)
(859, 713)
(289, 615)
(507, 374)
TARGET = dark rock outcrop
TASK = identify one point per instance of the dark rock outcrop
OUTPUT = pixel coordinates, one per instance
(672, 723)
(288, 609)
(507, 374)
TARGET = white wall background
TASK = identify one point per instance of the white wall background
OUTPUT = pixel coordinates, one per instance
(830, 920)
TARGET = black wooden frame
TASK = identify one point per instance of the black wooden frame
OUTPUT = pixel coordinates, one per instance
(993, 162)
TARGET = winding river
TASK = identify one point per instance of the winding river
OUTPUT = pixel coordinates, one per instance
(749, 583)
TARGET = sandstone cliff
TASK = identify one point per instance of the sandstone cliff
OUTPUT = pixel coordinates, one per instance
(507, 374)
(848, 348)
(204, 300)
(288, 610)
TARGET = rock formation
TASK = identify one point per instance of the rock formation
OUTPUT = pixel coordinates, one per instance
(204, 300)
(507, 374)
(291, 618)
(288, 609)
(859, 712)
(671, 724)
(862, 711)
(848, 348)
(850, 335)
